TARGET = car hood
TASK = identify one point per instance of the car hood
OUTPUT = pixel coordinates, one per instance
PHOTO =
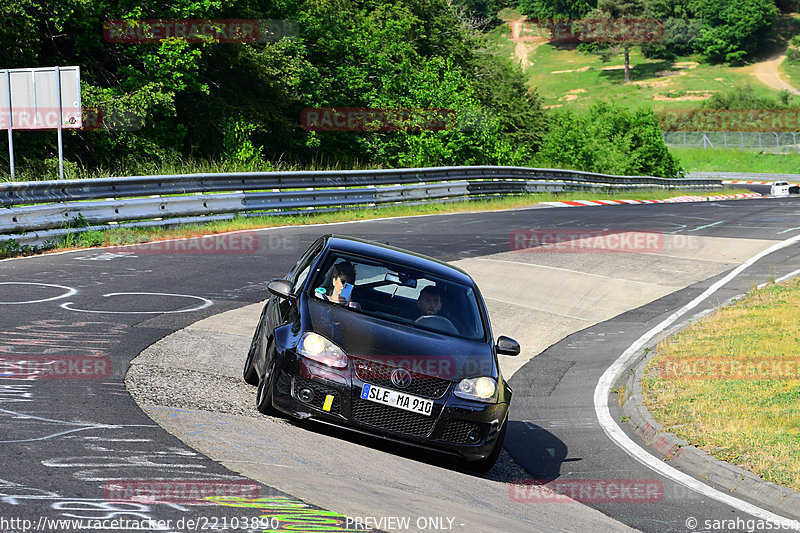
(421, 351)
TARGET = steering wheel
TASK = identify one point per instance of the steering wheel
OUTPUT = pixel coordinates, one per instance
(437, 322)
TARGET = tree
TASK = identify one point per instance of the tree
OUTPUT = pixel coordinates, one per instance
(620, 11)
(732, 29)
(682, 28)
(557, 9)
(242, 102)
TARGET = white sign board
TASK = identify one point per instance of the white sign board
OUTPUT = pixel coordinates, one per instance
(35, 95)
(43, 98)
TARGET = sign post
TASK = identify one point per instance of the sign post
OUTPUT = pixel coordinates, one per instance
(60, 122)
(10, 123)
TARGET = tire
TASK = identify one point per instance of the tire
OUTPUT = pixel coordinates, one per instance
(484, 465)
(266, 386)
(249, 373)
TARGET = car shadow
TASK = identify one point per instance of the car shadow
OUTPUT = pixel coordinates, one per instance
(537, 450)
(501, 472)
(531, 452)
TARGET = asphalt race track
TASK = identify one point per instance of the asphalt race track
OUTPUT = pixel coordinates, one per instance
(75, 444)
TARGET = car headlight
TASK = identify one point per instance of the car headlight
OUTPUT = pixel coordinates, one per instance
(482, 389)
(320, 349)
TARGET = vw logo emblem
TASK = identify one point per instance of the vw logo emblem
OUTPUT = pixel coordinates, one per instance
(401, 378)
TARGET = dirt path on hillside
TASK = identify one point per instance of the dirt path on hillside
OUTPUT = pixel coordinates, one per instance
(767, 73)
(525, 45)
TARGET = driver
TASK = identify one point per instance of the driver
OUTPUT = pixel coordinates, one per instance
(343, 272)
(429, 301)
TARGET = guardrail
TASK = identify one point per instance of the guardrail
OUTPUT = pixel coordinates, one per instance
(40, 211)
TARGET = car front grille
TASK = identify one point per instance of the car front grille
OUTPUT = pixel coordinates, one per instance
(457, 431)
(393, 419)
(421, 385)
(320, 392)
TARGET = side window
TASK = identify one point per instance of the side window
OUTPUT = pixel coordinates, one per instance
(303, 267)
(301, 277)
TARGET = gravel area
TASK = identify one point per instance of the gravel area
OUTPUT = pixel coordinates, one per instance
(152, 385)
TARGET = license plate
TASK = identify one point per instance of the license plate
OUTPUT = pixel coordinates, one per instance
(397, 399)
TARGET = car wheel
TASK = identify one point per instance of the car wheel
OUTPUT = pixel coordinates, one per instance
(484, 465)
(267, 384)
(249, 373)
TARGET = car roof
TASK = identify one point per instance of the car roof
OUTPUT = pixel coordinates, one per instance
(391, 254)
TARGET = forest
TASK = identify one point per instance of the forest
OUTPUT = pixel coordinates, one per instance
(238, 103)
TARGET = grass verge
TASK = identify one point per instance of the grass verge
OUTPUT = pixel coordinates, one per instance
(120, 236)
(730, 160)
(730, 384)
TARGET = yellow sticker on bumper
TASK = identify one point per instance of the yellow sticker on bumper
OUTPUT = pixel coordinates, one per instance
(328, 402)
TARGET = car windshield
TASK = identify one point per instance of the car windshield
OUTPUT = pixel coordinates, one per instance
(399, 294)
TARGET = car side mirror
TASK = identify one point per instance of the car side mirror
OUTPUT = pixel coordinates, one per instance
(281, 288)
(507, 346)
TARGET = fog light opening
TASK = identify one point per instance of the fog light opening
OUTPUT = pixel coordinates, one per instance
(474, 436)
(305, 394)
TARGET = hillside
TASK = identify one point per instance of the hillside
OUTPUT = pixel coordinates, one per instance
(563, 75)
(570, 80)
(387, 83)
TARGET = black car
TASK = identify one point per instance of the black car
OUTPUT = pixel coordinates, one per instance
(385, 342)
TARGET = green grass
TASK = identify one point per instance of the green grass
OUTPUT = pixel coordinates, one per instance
(722, 160)
(749, 418)
(661, 84)
(790, 70)
(120, 236)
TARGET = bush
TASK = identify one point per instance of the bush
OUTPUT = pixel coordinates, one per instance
(734, 28)
(609, 139)
(12, 248)
(563, 9)
(744, 97)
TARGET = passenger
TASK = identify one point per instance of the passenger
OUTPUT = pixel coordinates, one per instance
(429, 301)
(343, 272)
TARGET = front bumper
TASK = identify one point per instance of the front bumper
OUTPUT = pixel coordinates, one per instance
(308, 390)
